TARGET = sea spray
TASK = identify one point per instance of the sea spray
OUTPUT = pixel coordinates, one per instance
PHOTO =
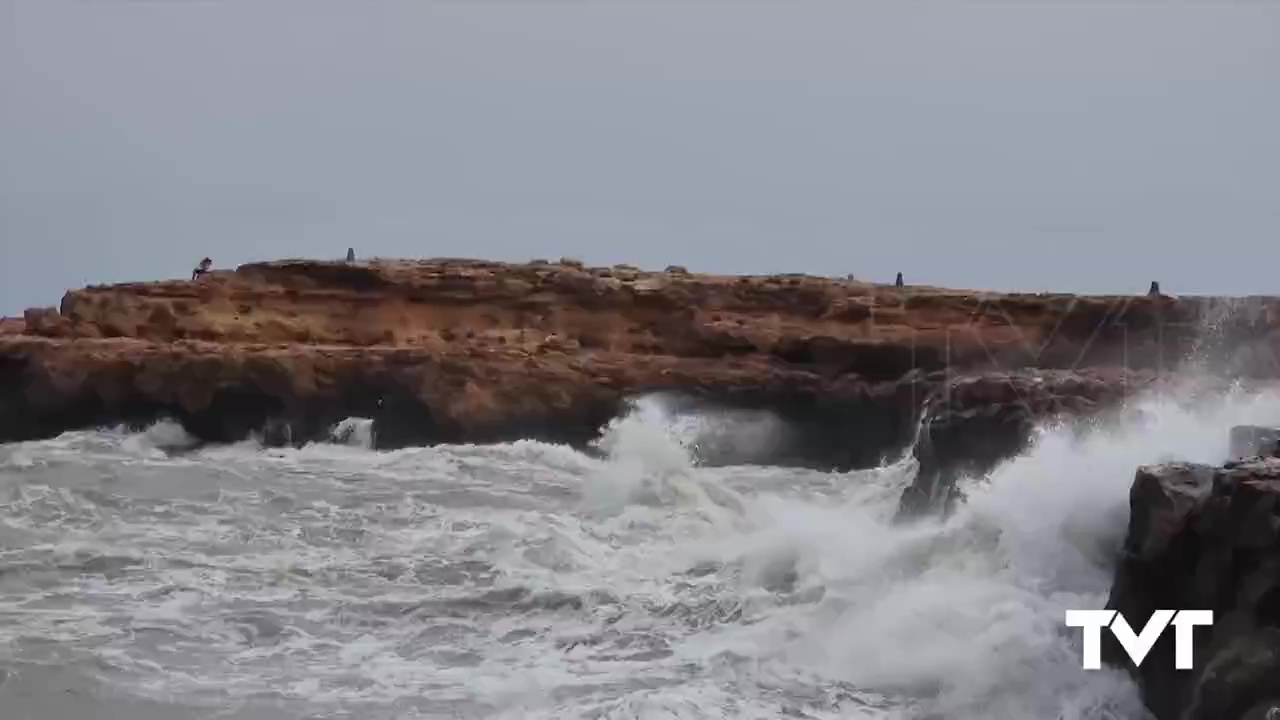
(354, 431)
(530, 581)
(651, 463)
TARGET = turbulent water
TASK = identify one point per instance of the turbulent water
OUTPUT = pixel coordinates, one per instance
(142, 579)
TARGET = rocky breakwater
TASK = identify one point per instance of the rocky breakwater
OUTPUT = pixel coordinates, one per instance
(1203, 537)
(475, 351)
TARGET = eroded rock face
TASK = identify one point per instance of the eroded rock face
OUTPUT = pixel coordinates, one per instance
(463, 350)
(12, 326)
(1203, 537)
(972, 424)
(1253, 441)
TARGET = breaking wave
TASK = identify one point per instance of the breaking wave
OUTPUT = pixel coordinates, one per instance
(141, 573)
(357, 432)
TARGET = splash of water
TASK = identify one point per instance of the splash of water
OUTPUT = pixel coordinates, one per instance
(965, 615)
(651, 464)
(354, 432)
(528, 580)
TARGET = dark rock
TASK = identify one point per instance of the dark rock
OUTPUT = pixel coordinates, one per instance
(1265, 710)
(954, 444)
(1241, 681)
(1253, 441)
(1203, 537)
(973, 424)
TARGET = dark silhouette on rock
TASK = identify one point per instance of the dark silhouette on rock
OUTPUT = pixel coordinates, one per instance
(351, 255)
(201, 269)
(1155, 288)
(898, 281)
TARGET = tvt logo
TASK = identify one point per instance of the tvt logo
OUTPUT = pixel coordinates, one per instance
(1137, 645)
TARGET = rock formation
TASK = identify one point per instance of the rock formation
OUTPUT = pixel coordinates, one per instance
(975, 422)
(463, 350)
(1203, 537)
(1254, 441)
(472, 351)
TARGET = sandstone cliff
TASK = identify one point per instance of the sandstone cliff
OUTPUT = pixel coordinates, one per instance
(473, 351)
(470, 351)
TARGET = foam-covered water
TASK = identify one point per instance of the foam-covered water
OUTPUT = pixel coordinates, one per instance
(143, 578)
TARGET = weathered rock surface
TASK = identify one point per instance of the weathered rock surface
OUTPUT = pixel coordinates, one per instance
(975, 422)
(461, 350)
(1253, 441)
(1203, 537)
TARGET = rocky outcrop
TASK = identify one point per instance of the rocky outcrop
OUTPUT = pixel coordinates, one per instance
(1252, 441)
(975, 422)
(473, 351)
(12, 326)
(1203, 537)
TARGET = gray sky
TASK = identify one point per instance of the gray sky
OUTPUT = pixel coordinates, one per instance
(1088, 146)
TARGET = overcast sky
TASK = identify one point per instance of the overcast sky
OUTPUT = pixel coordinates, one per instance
(1087, 146)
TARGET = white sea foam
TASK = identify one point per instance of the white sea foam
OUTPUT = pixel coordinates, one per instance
(528, 580)
(354, 431)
